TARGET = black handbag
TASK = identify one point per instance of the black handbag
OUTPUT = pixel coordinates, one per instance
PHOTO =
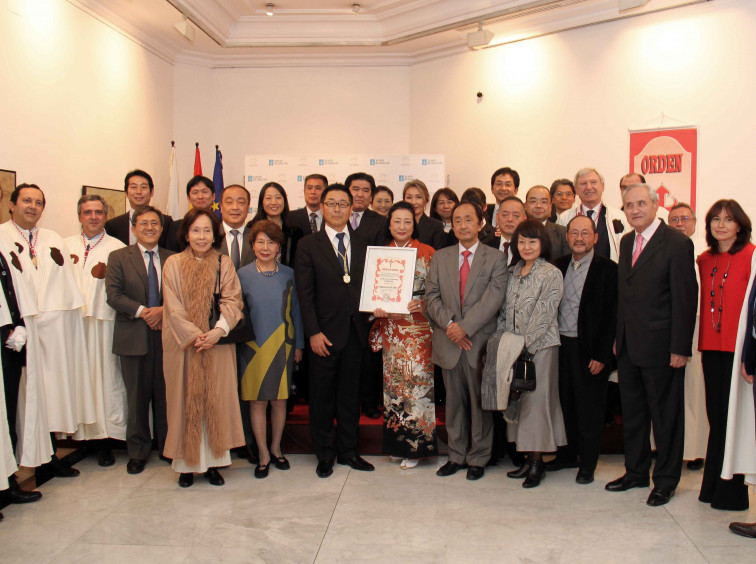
(523, 373)
(242, 332)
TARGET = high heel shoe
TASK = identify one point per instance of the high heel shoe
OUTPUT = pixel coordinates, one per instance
(521, 472)
(536, 472)
(280, 462)
(261, 470)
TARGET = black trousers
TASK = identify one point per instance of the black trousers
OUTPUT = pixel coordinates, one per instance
(731, 495)
(371, 379)
(583, 399)
(12, 363)
(335, 394)
(249, 437)
(143, 378)
(652, 397)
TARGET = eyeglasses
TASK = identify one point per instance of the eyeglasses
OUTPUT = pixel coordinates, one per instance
(680, 219)
(146, 223)
(333, 205)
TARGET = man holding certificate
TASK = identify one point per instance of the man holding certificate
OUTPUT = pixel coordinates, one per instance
(464, 291)
(328, 275)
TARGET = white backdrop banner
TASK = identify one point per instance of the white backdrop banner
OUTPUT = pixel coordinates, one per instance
(388, 170)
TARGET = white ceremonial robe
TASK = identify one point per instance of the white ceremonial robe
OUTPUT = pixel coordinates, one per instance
(62, 352)
(99, 318)
(740, 445)
(7, 460)
(612, 214)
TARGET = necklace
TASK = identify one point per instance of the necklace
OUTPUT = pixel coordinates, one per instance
(267, 273)
(717, 324)
(89, 247)
(32, 242)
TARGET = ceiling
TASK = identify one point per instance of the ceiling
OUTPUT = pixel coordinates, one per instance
(238, 33)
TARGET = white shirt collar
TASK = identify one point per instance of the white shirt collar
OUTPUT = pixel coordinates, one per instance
(331, 232)
(227, 228)
(585, 208)
(144, 249)
(471, 249)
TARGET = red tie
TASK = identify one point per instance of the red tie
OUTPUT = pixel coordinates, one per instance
(464, 270)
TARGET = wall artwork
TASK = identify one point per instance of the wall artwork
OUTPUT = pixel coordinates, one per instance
(116, 199)
(7, 185)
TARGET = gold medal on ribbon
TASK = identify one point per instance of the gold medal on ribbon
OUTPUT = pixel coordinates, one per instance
(34, 262)
(347, 279)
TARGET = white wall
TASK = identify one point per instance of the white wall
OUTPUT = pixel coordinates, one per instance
(555, 104)
(81, 104)
(316, 111)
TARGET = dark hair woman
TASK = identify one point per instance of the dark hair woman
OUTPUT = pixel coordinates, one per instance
(272, 204)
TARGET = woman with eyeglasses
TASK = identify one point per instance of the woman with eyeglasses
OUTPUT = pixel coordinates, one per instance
(724, 269)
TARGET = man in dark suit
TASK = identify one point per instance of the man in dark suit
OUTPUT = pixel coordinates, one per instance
(511, 213)
(656, 316)
(587, 325)
(328, 274)
(538, 207)
(504, 183)
(139, 190)
(465, 288)
(134, 291)
(200, 191)
(309, 219)
(364, 221)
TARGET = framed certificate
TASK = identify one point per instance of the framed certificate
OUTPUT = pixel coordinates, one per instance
(388, 279)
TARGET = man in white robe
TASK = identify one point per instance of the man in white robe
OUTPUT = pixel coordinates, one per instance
(40, 261)
(89, 255)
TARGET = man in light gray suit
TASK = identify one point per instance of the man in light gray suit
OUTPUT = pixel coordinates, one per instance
(134, 291)
(464, 291)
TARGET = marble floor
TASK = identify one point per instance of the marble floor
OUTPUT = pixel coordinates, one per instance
(106, 515)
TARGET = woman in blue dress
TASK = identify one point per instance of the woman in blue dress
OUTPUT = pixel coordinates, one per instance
(267, 362)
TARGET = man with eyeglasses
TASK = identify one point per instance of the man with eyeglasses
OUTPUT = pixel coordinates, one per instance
(328, 275)
(134, 290)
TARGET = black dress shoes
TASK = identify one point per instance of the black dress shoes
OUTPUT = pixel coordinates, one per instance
(660, 496)
(584, 477)
(261, 471)
(186, 479)
(15, 494)
(536, 473)
(60, 470)
(372, 413)
(560, 463)
(696, 464)
(280, 462)
(135, 466)
(105, 456)
(744, 529)
(521, 472)
(324, 469)
(214, 477)
(624, 483)
(356, 462)
(475, 472)
(449, 468)
(248, 453)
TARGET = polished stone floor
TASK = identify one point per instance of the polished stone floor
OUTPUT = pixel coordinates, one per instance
(390, 515)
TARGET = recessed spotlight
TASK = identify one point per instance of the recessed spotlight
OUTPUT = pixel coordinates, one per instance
(355, 9)
(269, 9)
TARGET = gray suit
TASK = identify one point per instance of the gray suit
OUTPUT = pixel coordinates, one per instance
(140, 349)
(558, 239)
(247, 254)
(484, 293)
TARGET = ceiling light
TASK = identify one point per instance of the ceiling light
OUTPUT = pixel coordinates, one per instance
(479, 38)
(269, 9)
(355, 9)
(185, 28)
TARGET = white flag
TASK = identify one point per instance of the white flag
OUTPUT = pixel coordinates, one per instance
(172, 208)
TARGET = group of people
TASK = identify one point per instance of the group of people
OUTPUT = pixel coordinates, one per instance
(138, 316)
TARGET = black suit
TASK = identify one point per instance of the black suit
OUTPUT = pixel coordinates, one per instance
(372, 228)
(558, 241)
(655, 318)
(170, 236)
(120, 227)
(331, 306)
(489, 213)
(12, 361)
(582, 394)
(431, 232)
(300, 219)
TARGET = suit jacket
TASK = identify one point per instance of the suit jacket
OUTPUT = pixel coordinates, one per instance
(171, 236)
(597, 314)
(372, 228)
(126, 288)
(658, 298)
(431, 232)
(484, 293)
(558, 239)
(120, 227)
(326, 302)
(489, 213)
(495, 243)
(247, 254)
(300, 219)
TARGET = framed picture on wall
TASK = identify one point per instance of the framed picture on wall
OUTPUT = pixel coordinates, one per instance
(116, 199)
(7, 185)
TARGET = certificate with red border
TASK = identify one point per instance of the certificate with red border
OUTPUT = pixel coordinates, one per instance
(388, 279)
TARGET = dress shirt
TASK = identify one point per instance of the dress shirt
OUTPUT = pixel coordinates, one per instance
(647, 233)
(319, 216)
(447, 226)
(335, 243)
(574, 282)
(510, 255)
(495, 213)
(230, 238)
(156, 261)
(472, 253)
(359, 218)
(596, 209)
(132, 237)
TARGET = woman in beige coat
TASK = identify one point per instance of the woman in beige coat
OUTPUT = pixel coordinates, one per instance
(204, 421)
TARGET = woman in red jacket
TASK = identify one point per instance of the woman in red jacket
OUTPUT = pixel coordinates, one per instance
(724, 272)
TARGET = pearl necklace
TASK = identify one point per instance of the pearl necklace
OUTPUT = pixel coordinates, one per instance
(267, 273)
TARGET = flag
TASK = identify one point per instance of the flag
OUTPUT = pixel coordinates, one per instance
(173, 187)
(218, 180)
(197, 161)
